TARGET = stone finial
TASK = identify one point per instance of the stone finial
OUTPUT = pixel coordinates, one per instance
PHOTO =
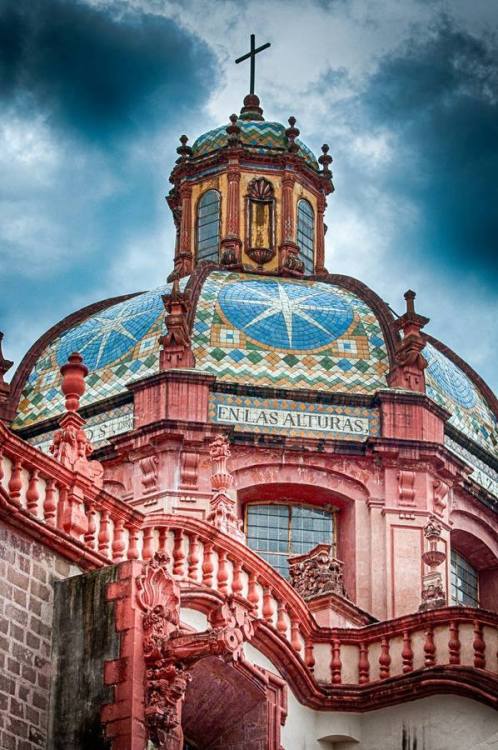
(325, 160)
(176, 350)
(251, 109)
(183, 150)
(5, 365)
(70, 445)
(433, 594)
(408, 370)
(223, 507)
(292, 133)
(233, 131)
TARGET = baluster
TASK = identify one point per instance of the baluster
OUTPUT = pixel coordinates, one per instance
(193, 557)
(407, 652)
(50, 504)
(91, 514)
(253, 592)
(454, 644)
(268, 606)
(384, 659)
(295, 638)
(104, 533)
(237, 584)
(15, 484)
(281, 619)
(32, 494)
(162, 538)
(118, 544)
(309, 658)
(479, 646)
(178, 554)
(222, 572)
(363, 664)
(429, 648)
(208, 565)
(335, 663)
(132, 542)
(148, 544)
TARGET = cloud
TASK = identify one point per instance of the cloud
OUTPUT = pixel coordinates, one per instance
(97, 71)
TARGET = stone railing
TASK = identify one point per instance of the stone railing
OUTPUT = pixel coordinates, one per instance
(89, 526)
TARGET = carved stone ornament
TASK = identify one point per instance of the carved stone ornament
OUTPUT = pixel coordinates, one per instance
(410, 363)
(222, 507)
(433, 594)
(316, 572)
(176, 350)
(260, 241)
(170, 652)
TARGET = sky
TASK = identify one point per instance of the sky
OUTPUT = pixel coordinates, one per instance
(95, 94)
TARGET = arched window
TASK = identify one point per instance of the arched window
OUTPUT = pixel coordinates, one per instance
(306, 234)
(277, 531)
(208, 226)
(464, 582)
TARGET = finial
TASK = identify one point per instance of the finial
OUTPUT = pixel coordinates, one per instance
(251, 109)
(5, 365)
(252, 56)
(73, 374)
(292, 133)
(233, 131)
(184, 151)
(325, 159)
(410, 301)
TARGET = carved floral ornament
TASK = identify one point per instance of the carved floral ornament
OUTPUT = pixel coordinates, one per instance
(260, 235)
(170, 652)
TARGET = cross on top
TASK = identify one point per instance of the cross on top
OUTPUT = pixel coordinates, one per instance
(252, 54)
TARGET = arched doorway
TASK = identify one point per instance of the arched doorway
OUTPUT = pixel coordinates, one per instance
(233, 705)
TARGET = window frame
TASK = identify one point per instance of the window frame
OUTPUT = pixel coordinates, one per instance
(198, 257)
(468, 568)
(289, 504)
(302, 254)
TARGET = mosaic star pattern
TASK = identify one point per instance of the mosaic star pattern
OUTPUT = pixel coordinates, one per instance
(452, 389)
(118, 345)
(288, 334)
(259, 136)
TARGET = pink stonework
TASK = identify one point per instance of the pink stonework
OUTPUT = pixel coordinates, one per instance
(389, 521)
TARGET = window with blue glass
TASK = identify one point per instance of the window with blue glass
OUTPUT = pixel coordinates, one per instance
(278, 531)
(306, 234)
(208, 226)
(464, 582)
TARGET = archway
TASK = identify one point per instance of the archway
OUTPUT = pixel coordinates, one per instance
(233, 705)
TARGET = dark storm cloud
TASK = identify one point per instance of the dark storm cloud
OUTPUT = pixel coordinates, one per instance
(96, 73)
(440, 99)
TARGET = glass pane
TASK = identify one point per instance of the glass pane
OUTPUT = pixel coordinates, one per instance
(464, 582)
(208, 226)
(306, 234)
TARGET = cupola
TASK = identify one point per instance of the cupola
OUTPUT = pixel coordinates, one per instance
(250, 195)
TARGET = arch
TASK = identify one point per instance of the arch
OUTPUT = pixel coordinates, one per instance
(474, 541)
(306, 234)
(208, 222)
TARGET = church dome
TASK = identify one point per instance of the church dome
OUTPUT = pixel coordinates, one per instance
(330, 336)
(258, 136)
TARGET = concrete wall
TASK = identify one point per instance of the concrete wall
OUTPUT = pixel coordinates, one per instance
(27, 575)
(85, 637)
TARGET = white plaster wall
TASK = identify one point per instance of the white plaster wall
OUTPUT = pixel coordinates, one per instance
(442, 722)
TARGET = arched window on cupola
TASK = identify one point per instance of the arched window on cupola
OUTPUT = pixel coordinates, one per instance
(306, 234)
(208, 226)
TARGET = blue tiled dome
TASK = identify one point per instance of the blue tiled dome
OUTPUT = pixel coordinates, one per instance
(258, 135)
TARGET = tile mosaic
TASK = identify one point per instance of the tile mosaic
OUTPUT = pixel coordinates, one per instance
(287, 334)
(451, 388)
(260, 136)
(118, 345)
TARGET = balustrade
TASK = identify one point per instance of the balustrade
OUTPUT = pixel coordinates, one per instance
(44, 493)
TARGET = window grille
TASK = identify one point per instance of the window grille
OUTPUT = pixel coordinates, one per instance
(277, 531)
(464, 582)
(306, 234)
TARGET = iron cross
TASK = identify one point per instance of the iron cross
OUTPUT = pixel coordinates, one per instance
(252, 54)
